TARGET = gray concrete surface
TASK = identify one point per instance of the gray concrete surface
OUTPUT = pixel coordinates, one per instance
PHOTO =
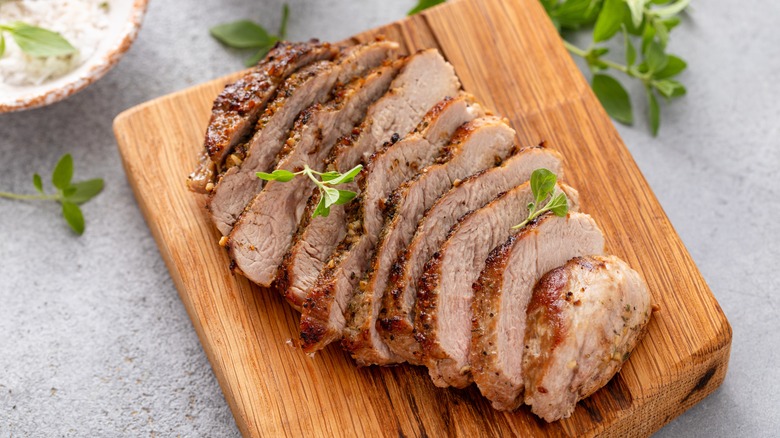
(95, 342)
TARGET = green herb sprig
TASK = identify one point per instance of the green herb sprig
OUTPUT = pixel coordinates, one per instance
(329, 195)
(35, 41)
(645, 26)
(543, 187)
(69, 194)
(245, 34)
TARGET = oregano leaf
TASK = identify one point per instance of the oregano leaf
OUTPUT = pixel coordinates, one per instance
(72, 214)
(63, 172)
(674, 66)
(653, 112)
(655, 57)
(629, 48)
(559, 205)
(609, 20)
(280, 175)
(83, 191)
(345, 196)
(241, 34)
(613, 97)
(423, 5)
(346, 177)
(542, 184)
(637, 8)
(330, 195)
(321, 209)
(38, 183)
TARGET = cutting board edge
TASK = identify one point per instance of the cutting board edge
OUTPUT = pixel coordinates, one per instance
(714, 350)
(715, 354)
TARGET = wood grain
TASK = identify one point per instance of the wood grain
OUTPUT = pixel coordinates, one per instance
(508, 54)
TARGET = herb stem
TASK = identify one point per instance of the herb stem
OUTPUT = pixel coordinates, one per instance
(28, 197)
(574, 49)
(584, 54)
(533, 216)
(310, 173)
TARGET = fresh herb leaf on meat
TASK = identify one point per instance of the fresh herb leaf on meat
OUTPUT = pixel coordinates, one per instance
(35, 41)
(329, 195)
(543, 188)
(645, 25)
(69, 194)
(245, 34)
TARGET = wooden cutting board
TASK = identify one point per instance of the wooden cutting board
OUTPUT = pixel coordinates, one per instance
(509, 55)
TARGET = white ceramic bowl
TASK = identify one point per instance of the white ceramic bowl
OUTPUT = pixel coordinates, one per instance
(124, 21)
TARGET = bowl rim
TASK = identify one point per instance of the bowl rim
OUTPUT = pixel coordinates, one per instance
(106, 62)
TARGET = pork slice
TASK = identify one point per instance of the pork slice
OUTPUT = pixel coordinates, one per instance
(479, 144)
(310, 85)
(262, 235)
(582, 323)
(237, 108)
(502, 294)
(443, 309)
(317, 238)
(396, 317)
(422, 85)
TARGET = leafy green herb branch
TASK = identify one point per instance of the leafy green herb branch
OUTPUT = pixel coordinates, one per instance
(68, 194)
(329, 195)
(543, 188)
(645, 24)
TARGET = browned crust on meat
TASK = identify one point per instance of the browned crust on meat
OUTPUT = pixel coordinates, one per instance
(426, 315)
(485, 319)
(358, 338)
(236, 109)
(425, 318)
(315, 319)
(315, 331)
(485, 310)
(239, 99)
(434, 113)
(395, 323)
(344, 142)
(283, 281)
(546, 298)
(288, 87)
(547, 308)
(297, 131)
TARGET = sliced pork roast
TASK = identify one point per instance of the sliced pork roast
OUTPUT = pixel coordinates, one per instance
(583, 320)
(263, 233)
(237, 108)
(323, 311)
(277, 210)
(396, 317)
(478, 145)
(443, 310)
(503, 291)
(312, 84)
(317, 238)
